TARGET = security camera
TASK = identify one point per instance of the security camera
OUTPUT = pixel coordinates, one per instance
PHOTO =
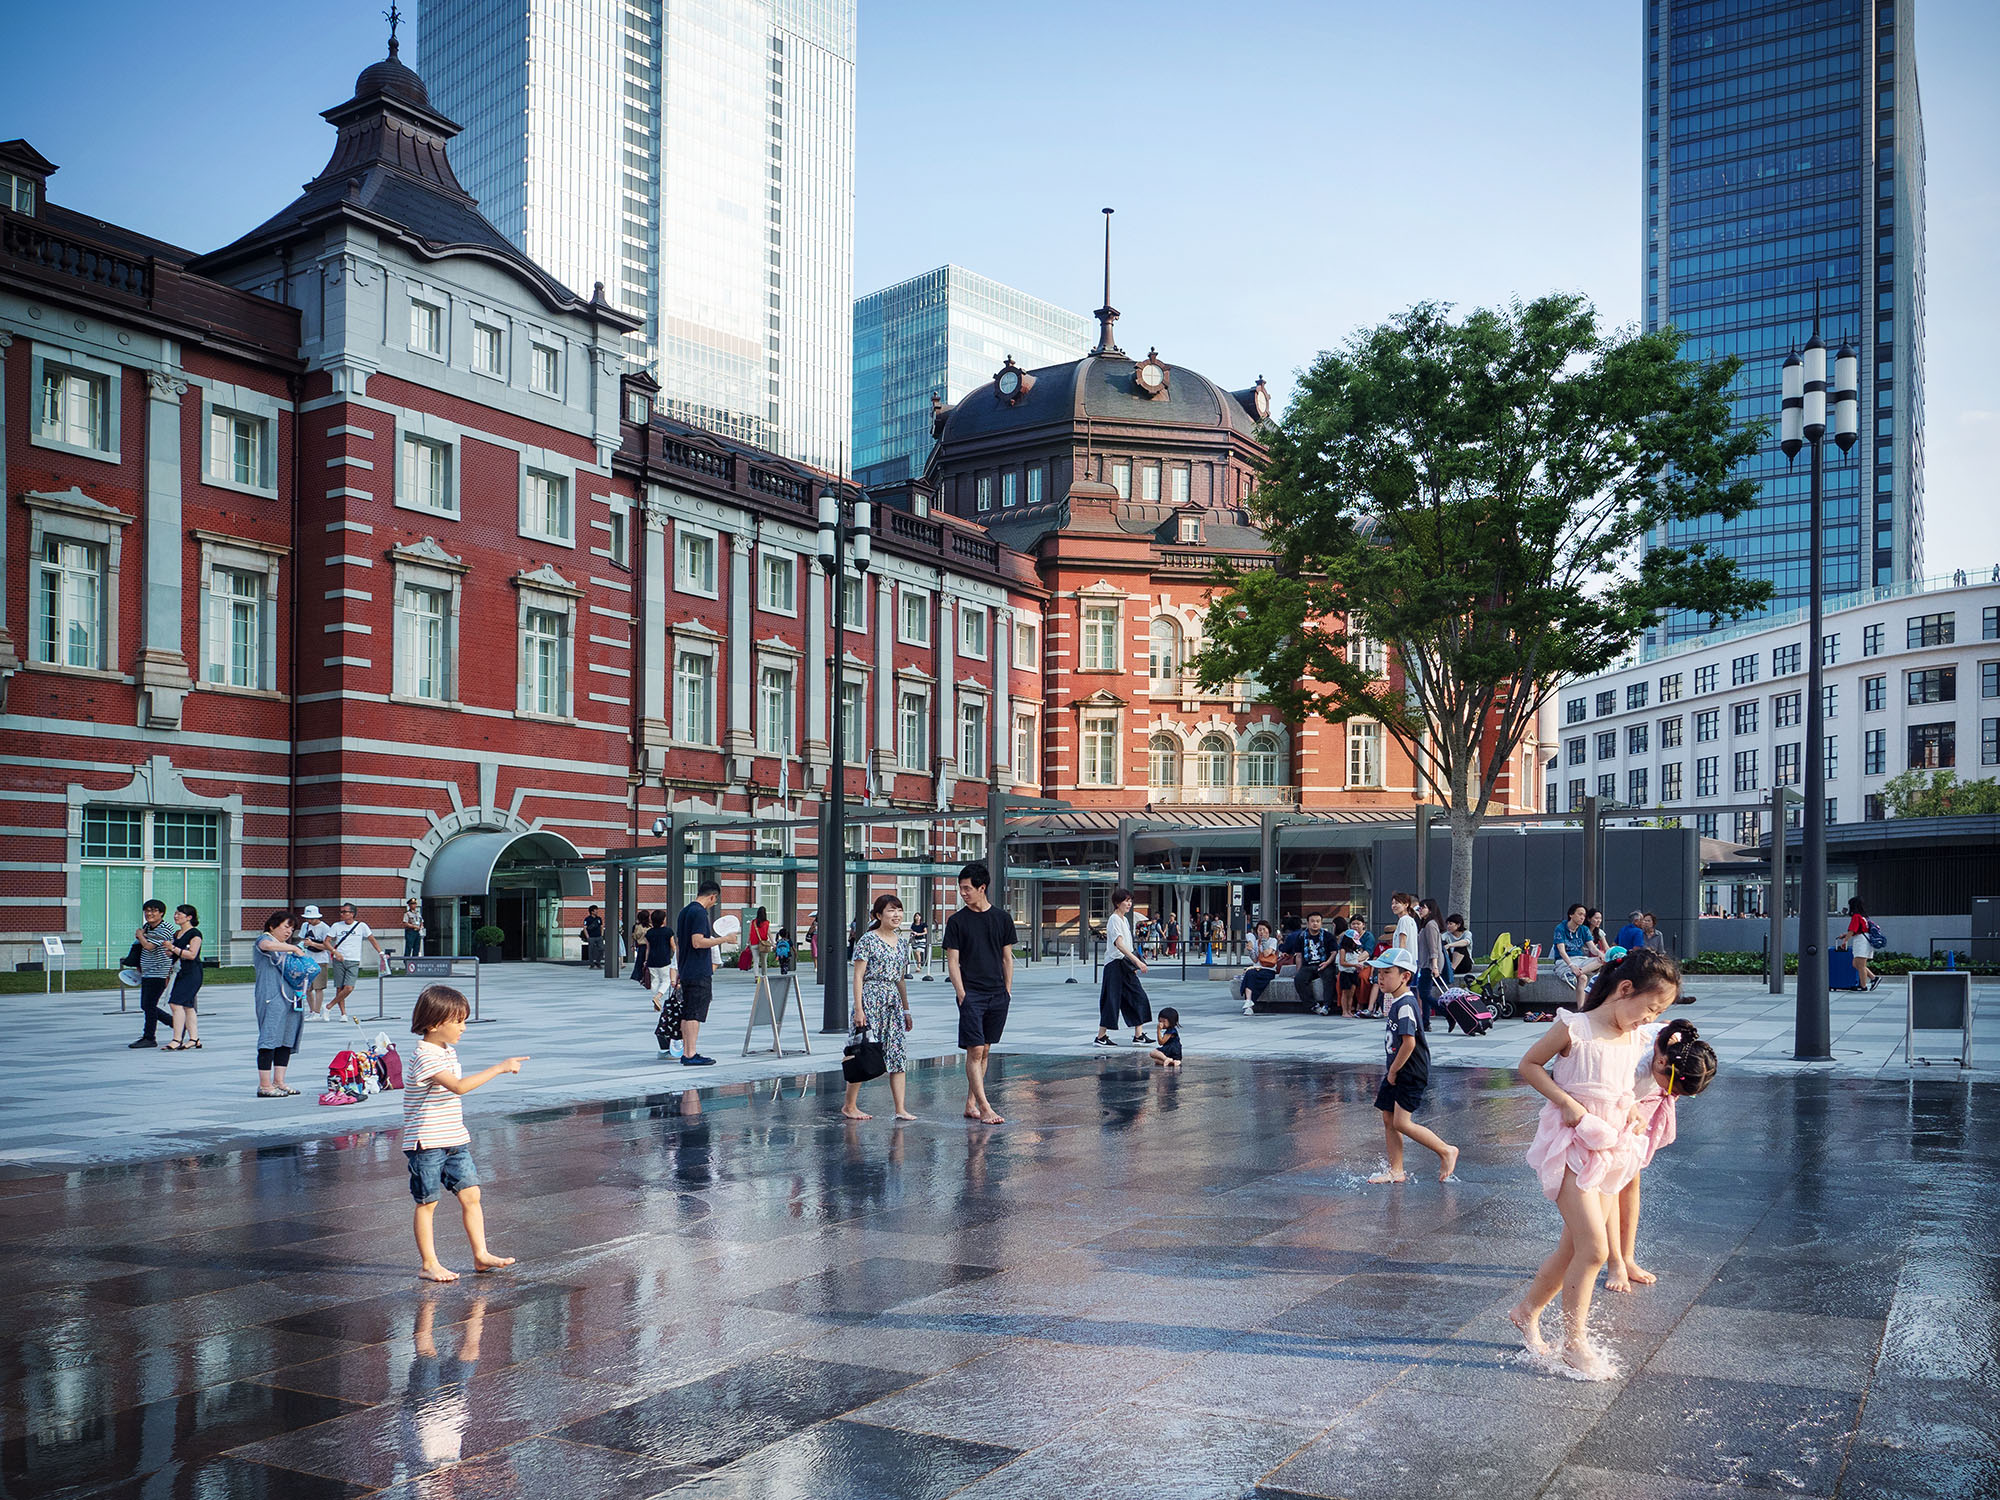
(659, 827)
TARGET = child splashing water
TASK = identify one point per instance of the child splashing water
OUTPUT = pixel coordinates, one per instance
(1584, 1150)
(1679, 1065)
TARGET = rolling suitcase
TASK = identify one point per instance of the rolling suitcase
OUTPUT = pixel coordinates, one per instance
(1465, 1011)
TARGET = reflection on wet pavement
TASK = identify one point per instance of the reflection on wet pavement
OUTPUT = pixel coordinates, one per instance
(1143, 1285)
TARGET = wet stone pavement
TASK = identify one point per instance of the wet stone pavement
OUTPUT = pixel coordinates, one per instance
(1144, 1284)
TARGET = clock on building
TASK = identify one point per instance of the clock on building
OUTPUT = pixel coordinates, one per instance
(1151, 375)
(1012, 382)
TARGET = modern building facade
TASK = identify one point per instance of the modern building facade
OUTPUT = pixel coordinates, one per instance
(1784, 158)
(698, 159)
(940, 335)
(1912, 684)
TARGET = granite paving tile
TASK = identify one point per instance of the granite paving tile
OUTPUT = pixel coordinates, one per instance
(1725, 1432)
(1411, 1445)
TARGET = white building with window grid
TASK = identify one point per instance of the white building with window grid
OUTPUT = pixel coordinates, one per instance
(1912, 683)
(698, 160)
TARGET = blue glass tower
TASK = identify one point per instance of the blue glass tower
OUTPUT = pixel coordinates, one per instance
(942, 333)
(1784, 154)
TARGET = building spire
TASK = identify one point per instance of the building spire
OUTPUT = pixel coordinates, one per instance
(1107, 314)
(395, 18)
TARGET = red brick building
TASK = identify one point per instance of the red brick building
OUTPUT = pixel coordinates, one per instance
(350, 562)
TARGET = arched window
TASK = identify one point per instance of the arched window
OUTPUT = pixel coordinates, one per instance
(1262, 761)
(1166, 648)
(1211, 762)
(1163, 763)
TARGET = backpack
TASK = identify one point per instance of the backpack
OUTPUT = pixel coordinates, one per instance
(782, 948)
(1876, 938)
(346, 1079)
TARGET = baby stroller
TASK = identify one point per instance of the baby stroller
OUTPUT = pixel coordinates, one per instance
(1494, 981)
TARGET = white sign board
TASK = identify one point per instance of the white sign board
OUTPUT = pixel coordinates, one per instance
(52, 947)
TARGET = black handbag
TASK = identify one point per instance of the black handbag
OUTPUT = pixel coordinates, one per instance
(864, 1058)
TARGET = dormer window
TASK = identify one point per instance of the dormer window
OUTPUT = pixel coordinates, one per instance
(1190, 530)
(17, 192)
(637, 408)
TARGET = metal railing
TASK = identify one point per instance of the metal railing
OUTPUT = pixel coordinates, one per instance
(1223, 796)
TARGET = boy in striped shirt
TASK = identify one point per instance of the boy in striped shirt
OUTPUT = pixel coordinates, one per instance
(435, 1141)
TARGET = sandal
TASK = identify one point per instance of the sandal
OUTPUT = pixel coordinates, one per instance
(173, 1046)
(288, 1092)
(271, 1093)
(196, 1044)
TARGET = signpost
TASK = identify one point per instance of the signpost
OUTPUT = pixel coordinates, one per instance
(438, 967)
(52, 959)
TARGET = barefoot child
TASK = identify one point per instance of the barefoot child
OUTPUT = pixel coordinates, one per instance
(435, 1140)
(1168, 1053)
(1584, 1151)
(1402, 1092)
(1679, 1064)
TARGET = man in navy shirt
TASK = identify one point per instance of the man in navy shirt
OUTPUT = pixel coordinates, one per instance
(1314, 946)
(693, 938)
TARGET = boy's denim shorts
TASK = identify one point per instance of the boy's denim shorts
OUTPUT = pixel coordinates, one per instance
(434, 1168)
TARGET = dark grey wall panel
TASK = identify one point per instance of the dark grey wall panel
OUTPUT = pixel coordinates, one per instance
(1524, 880)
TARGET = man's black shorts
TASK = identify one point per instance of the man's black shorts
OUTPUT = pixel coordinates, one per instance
(981, 1018)
(1405, 1091)
(696, 992)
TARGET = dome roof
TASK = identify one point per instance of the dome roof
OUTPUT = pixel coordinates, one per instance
(392, 77)
(1103, 388)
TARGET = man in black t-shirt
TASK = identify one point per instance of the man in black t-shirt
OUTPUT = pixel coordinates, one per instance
(693, 938)
(1313, 945)
(979, 957)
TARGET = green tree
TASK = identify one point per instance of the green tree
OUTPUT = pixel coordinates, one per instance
(1938, 794)
(1475, 491)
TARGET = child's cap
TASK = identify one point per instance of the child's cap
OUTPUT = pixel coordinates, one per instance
(1395, 958)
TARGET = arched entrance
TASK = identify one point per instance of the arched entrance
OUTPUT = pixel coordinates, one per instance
(502, 879)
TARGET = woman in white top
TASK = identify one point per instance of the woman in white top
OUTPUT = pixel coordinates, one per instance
(1121, 993)
(1404, 906)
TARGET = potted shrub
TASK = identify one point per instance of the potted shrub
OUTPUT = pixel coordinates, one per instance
(489, 939)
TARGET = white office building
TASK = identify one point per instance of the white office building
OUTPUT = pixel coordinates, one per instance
(698, 160)
(1912, 683)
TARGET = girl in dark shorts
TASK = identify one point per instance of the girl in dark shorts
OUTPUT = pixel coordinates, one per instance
(1168, 1053)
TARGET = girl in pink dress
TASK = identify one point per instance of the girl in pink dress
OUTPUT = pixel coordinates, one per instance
(1679, 1063)
(1584, 1150)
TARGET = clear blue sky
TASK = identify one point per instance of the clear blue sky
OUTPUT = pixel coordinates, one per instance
(1283, 172)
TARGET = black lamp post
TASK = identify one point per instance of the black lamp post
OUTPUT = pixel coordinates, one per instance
(846, 531)
(1803, 422)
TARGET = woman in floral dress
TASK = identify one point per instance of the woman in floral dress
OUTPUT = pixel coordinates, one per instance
(882, 997)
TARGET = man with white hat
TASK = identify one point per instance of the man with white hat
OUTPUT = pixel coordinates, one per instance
(312, 936)
(1409, 1052)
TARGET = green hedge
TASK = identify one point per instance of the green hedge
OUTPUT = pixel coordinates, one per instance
(1881, 963)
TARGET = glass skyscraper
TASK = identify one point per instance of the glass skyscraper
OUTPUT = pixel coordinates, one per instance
(698, 159)
(1784, 152)
(943, 332)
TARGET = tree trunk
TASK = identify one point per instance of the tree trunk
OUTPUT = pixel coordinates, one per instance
(1463, 827)
(1466, 812)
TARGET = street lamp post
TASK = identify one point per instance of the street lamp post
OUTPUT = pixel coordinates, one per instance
(1803, 423)
(845, 530)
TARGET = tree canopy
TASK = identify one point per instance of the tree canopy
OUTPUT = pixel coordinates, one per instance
(1474, 493)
